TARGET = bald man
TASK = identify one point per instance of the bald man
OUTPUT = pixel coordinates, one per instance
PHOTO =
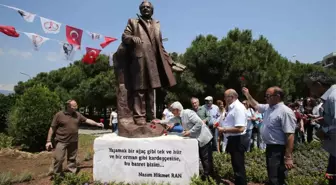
(234, 127)
(65, 127)
(277, 132)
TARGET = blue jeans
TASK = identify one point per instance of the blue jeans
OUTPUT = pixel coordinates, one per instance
(114, 127)
(249, 135)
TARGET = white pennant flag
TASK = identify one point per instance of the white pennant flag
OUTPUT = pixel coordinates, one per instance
(68, 51)
(94, 36)
(37, 40)
(50, 26)
(29, 17)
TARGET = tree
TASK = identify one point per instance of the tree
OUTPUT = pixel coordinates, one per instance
(31, 116)
(6, 103)
(215, 65)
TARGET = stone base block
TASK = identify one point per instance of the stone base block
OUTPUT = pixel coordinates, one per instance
(165, 159)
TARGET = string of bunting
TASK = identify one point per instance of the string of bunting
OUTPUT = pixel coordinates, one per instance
(73, 36)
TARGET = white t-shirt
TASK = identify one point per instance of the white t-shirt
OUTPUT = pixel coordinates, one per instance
(168, 115)
(114, 117)
(235, 117)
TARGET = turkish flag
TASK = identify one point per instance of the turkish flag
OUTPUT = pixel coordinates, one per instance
(73, 35)
(108, 40)
(91, 55)
(9, 30)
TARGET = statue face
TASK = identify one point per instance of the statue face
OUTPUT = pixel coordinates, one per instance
(146, 10)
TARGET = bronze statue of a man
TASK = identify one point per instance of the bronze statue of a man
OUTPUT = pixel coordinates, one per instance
(142, 65)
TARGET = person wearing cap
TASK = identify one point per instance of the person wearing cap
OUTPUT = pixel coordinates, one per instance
(194, 128)
(214, 114)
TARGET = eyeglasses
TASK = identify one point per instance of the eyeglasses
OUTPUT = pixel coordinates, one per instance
(269, 95)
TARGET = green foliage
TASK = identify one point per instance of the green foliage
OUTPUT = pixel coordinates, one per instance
(91, 85)
(5, 141)
(31, 116)
(72, 179)
(196, 180)
(215, 65)
(309, 159)
(6, 178)
(6, 103)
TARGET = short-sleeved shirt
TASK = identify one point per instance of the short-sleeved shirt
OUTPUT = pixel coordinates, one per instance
(250, 113)
(279, 120)
(329, 115)
(235, 117)
(213, 112)
(114, 117)
(168, 114)
(66, 126)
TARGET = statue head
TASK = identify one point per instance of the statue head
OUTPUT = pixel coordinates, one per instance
(146, 9)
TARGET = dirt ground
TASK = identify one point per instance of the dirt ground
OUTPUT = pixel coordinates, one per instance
(18, 162)
(38, 165)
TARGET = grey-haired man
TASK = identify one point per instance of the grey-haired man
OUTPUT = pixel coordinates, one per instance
(193, 127)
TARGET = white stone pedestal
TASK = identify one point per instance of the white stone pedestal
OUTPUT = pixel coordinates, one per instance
(169, 159)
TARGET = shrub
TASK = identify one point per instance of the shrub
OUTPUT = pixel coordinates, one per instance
(310, 163)
(5, 141)
(6, 178)
(72, 179)
(6, 103)
(31, 116)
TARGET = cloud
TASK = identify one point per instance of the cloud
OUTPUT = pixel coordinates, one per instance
(21, 54)
(1, 52)
(53, 56)
(7, 87)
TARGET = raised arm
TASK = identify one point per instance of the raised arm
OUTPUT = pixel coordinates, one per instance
(249, 98)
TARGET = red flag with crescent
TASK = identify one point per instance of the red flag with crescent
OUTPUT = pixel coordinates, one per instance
(91, 55)
(108, 40)
(74, 35)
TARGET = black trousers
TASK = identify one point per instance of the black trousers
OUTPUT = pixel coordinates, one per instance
(236, 147)
(309, 129)
(331, 170)
(205, 153)
(275, 162)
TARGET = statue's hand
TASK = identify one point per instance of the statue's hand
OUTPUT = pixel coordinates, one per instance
(136, 40)
(177, 69)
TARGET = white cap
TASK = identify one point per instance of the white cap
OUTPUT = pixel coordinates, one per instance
(176, 105)
(209, 98)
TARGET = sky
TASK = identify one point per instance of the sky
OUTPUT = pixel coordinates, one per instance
(305, 29)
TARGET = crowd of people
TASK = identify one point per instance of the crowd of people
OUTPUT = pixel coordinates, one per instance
(231, 126)
(276, 127)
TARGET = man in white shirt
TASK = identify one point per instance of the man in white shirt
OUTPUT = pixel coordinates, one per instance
(234, 126)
